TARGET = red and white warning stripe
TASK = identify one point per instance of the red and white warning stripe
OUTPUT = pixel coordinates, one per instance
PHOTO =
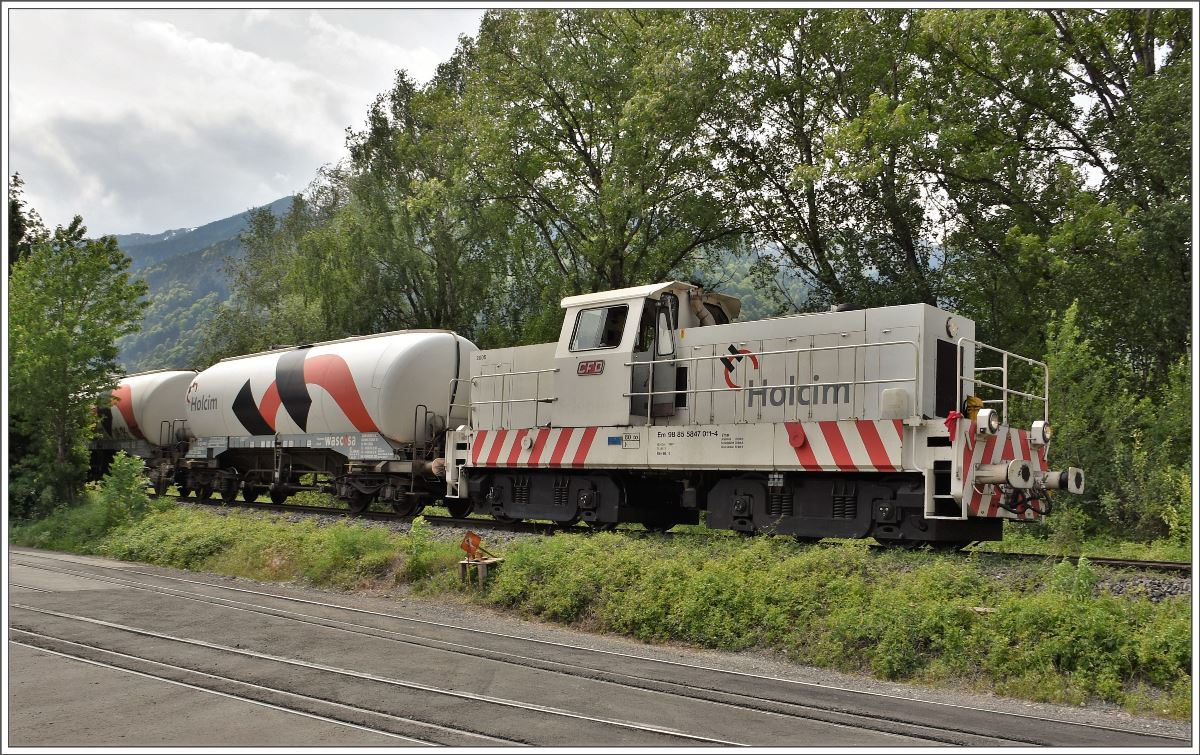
(1006, 445)
(547, 447)
(847, 446)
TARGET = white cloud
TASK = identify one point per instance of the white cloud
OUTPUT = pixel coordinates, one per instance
(144, 120)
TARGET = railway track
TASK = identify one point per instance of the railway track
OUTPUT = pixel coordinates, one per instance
(778, 704)
(546, 528)
(1170, 567)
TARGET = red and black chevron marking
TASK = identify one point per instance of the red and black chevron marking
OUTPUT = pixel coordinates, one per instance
(123, 402)
(294, 372)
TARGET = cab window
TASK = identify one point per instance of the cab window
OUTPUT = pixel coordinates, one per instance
(599, 328)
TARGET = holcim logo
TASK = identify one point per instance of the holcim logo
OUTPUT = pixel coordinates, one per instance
(736, 355)
(198, 402)
(790, 393)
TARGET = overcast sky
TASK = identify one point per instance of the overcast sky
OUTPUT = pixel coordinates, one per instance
(146, 120)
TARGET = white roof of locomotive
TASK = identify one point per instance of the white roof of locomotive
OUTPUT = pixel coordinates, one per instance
(622, 294)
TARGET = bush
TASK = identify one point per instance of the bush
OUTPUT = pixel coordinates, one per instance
(122, 492)
(1135, 448)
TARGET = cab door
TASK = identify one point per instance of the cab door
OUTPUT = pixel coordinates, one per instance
(655, 374)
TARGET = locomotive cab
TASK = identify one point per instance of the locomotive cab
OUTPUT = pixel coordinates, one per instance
(624, 342)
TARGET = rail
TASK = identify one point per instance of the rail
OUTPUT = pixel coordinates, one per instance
(692, 390)
(1003, 388)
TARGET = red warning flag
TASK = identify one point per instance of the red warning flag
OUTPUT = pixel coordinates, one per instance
(470, 544)
(952, 423)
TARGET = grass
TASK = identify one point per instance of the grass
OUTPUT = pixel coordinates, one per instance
(251, 544)
(1040, 632)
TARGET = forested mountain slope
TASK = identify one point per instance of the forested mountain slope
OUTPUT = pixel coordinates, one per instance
(185, 269)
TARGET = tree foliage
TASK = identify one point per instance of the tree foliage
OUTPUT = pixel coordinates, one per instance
(25, 226)
(69, 301)
(1008, 164)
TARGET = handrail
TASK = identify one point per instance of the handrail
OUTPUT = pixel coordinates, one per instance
(1005, 391)
(915, 379)
(504, 401)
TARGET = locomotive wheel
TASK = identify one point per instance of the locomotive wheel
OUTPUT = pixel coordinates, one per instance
(359, 501)
(250, 493)
(658, 526)
(279, 497)
(460, 508)
(907, 545)
(505, 519)
(601, 526)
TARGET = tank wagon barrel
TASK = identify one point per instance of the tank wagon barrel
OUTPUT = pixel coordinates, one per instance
(366, 414)
(145, 418)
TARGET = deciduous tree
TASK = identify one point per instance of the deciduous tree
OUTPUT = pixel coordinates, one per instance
(69, 301)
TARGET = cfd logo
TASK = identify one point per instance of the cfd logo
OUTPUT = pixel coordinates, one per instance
(594, 367)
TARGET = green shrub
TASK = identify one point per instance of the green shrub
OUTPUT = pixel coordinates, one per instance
(345, 554)
(123, 490)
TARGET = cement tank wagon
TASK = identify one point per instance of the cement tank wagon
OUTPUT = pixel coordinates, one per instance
(364, 414)
(145, 419)
(372, 384)
(148, 407)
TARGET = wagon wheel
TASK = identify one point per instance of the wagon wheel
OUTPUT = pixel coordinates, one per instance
(184, 490)
(160, 486)
(250, 493)
(229, 491)
(204, 492)
(950, 546)
(459, 508)
(358, 502)
(407, 506)
(278, 497)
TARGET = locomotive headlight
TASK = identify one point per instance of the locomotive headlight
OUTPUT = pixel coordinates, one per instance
(987, 422)
(1041, 433)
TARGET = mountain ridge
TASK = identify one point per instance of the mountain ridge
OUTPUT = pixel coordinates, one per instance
(185, 272)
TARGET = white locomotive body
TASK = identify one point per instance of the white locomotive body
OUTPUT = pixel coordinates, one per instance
(847, 423)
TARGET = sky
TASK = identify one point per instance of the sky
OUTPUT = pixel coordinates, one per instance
(144, 120)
